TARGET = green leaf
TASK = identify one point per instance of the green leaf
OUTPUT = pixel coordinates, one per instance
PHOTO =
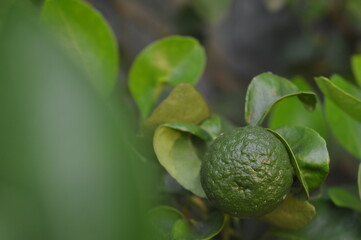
(184, 104)
(330, 222)
(356, 67)
(172, 60)
(310, 151)
(345, 128)
(88, 38)
(162, 220)
(344, 198)
(211, 10)
(266, 90)
(169, 223)
(184, 230)
(293, 214)
(190, 128)
(291, 113)
(213, 126)
(359, 180)
(343, 94)
(177, 155)
(294, 162)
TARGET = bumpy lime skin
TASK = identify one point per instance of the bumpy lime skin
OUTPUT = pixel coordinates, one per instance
(247, 172)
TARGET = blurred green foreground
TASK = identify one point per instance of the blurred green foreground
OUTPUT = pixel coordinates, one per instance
(65, 168)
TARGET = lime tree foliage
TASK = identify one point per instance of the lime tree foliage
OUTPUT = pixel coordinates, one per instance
(219, 174)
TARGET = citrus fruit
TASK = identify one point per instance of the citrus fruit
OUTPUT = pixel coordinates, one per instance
(247, 172)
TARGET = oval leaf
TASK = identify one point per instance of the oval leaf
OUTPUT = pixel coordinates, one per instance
(330, 222)
(169, 223)
(190, 128)
(172, 60)
(344, 198)
(291, 113)
(343, 94)
(266, 90)
(356, 67)
(294, 162)
(177, 155)
(293, 214)
(87, 37)
(310, 151)
(184, 104)
(346, 129)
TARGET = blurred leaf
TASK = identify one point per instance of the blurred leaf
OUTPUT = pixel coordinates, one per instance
(171, 224)
(87, 37)
(310, 151)
(266, 90)
(353, 12)
(65, 170)
(184, 104)
(177, 155)
(172, 60)
(296, 167)
(184, 230)
(345, 128)
(190, 128)
(5, 5)
(356, 67)
(290, 112)
(293, 214)
(162, 219)
(211, 10)
(213, 126)
(343, 94)
(330, 222)
(344, 198)
(359, 180)
(275, 5)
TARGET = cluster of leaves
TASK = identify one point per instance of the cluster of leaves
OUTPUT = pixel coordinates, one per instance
(183, 126)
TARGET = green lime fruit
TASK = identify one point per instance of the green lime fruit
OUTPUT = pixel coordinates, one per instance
(247, 172)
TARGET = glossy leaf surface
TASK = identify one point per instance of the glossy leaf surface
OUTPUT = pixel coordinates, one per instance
(213, 126)
(169, 223)
(293, 214)
(266, 90)
(294, 162)
(346, 129)
(190, 128)
(310, 151)
(343, 94)
(177, 155)
(290, 112)
(184, 104)
(172, 60)
(87, 37)
(341, 197)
